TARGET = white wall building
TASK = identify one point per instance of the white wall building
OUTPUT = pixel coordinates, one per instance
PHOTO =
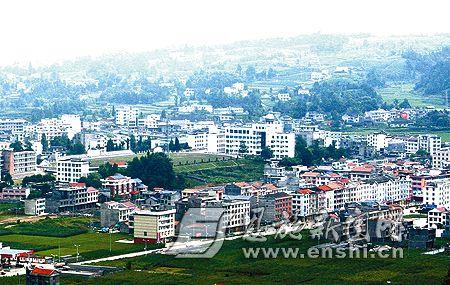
(71, 169)
(127, 116)
(437, 193)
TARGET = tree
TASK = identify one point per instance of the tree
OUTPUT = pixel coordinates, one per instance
(250, 73)
(404, 104)
(132, 143)
(107, 169)
(44, 142)
(266, 153)
(92, 180)
(243, 149)
(16, 146)
(37, 178)
(77, 148)
(155, 170)
(110, 146)
(177, 144)
(7, 178)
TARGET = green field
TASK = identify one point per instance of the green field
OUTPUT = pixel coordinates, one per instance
(92, 245)
(176, 158)
(220, 172)
(60, 227)
(406, 91)
(230, 266)
(11, 210)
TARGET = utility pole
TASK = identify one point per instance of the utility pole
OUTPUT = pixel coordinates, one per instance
(78, 252)
(110, 242)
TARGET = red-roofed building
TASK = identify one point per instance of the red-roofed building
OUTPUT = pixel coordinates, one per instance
(41, 276)
(310, 177)
(120, 185)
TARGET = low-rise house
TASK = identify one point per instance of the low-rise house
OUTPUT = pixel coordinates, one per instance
(40, 276)
(122, 186)
(113, 213)
(437, 218)
(35, 207)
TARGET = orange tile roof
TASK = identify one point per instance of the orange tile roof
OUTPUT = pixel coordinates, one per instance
(324, 188)
(241, 184)
(311, 174)
(335, 185)
(77, 184)
(305, 191)
(42, 271)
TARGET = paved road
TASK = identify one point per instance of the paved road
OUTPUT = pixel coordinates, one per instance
(122, 256)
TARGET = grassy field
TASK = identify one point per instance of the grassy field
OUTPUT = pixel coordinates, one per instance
(11, 210)
(92, 244)
(406, 91)
(221, 172)
(177, 158)
(230, 266)
(60, 227)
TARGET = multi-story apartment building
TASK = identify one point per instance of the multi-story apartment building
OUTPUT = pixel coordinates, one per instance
(236, 215)
(429, 143)
(437, 193)
(441, 158)
(19, 163)
(120, 185)
(12, 125)
(72, 198)
(153, 226)
(378, 141)
(254, 137)
(71, 169)
(68, 125)
(127, 117)
(276, 206)
(336, 194)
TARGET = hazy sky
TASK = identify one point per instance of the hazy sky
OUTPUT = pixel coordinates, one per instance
(43, 31)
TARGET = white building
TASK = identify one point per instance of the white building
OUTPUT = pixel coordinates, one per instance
(189, 93)
(71, 169)
(127, 116)
(284, 97)
(437, 217)
(441, 158)
(256, 136)
(153, 226)
(236, 216)
(35, 207)
(12, 125)
(378, 116)
(428, 143)
(437, 193)
(377, 140)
